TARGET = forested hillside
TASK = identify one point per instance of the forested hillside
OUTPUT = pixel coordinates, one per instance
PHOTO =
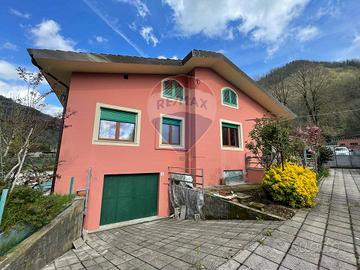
(325, 93)
(11, 111)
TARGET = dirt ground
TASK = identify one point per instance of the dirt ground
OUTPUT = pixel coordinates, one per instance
(258, 199)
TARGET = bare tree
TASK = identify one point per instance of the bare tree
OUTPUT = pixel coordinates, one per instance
(276, 83)
(281, 91)
(311, 83)
(21, 127)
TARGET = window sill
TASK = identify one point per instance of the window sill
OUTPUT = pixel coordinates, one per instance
(171, 147)
(115, 143)
(174, 99)
(232, 148)
(230, 106)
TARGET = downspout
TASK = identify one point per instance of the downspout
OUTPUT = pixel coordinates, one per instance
(62, 120)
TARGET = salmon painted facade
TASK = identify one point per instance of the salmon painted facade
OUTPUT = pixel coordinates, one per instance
(129, 119)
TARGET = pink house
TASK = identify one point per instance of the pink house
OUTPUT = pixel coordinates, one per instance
(128, 119)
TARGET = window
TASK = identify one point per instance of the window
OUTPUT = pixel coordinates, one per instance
(232, 177)
(229, 97)
(173, 90)
(230, 135)
(171, 131)
(117, 125)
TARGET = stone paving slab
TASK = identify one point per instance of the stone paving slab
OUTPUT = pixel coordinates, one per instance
(324, 237)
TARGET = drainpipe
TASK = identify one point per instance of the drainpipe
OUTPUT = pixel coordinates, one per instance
(191, 126)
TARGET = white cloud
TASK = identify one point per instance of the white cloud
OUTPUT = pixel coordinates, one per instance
(101, 39)
(330, 9)
(352, 51)
(9, 46)
(52, 110)
(133, 26)
(164, 57)
(112, 23)
(47, 35)
(11, 90)
(19, 14)
(307, 33)
(98, 39)
(356, 40)
(140, 6)
(264, 21)
(148, 34)
(8, 71)
(19, 93)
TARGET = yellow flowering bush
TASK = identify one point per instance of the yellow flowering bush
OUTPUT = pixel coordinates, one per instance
(295, 186)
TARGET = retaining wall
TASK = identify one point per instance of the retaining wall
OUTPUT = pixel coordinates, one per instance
(50, 242)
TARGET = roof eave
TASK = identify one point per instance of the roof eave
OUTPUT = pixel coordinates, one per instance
(51, 62)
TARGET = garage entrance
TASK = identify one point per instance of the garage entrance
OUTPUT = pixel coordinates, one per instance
(129, 196)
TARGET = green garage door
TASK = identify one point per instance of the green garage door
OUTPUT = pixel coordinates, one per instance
(129, 196)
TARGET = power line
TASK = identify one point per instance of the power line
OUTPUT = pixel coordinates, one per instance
(329, 113)
(309, 115)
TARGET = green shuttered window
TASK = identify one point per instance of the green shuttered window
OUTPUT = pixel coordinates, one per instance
(173, 90)
(117, 116)
(230, 125)
(170, 121)
(117, 125)
(229, 97)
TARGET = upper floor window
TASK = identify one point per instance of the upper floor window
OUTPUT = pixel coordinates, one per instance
(172, 131)
(229, 97)
(117, 125)
(172, 89)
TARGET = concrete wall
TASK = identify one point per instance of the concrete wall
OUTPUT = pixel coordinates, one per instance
(49, 242)
(254, 175)
(218, 208)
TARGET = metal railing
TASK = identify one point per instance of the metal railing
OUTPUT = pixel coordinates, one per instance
(197, 175)
(351, 160)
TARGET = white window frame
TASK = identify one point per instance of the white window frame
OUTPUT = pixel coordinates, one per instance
(95, 138)
(172, 99)
(222, 98)
(240, 134)
(182, 132)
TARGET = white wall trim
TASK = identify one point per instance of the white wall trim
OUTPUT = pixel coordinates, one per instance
(95, 138)
(182, 131)
(240, 134)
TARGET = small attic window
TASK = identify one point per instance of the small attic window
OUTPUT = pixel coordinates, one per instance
(229, 97)
(172, 89)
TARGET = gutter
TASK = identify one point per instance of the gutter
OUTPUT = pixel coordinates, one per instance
(63, 116)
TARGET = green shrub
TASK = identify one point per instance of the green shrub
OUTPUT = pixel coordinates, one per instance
(31, 207)
(323, 172)
(325, 155)
(295, 186)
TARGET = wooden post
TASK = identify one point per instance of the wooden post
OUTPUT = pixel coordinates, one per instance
(87, 190)
(2, 202)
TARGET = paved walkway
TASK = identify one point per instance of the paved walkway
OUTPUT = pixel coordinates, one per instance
(325, 237)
